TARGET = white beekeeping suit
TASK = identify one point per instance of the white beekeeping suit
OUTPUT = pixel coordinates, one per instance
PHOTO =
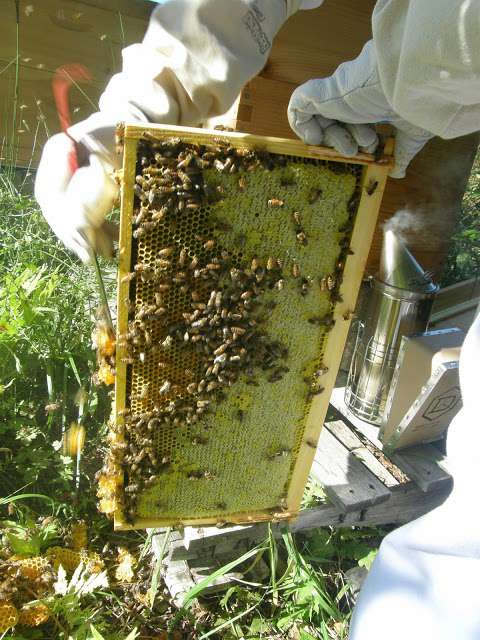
(424, 581)
(421, 72)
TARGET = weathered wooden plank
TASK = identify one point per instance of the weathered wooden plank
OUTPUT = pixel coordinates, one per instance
(370, 431)
(346, 436)
(454, 295)
(204, 540)
(346, 481)
(421, 464)
(406, 502)
(178, 579)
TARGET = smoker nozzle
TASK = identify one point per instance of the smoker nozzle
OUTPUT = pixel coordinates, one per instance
(399, 268)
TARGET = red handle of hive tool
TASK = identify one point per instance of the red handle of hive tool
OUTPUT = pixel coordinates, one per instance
(62, 81)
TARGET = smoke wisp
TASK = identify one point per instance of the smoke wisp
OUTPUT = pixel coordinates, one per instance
(404, 222)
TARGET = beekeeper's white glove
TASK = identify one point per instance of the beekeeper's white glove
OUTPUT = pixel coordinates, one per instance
(75, 203)
(339, 112)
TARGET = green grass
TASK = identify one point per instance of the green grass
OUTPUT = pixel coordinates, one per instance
(463, 261)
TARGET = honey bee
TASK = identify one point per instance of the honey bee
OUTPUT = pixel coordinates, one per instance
(139, 233)
(271, 263)
(275, 202)
(281, 453)
(315, 391)
(144, 391)
(371, 187)
(295, 270)
(167, 342)
(209, 245)
(182, 258)
(128, 277)
(159, 214)
(165, 388)
(166, 252)
(140, 216)
(201, 474)
(163, 263)
(304, 286)
(297, 218)
(302, 238)
(327, 283)
(325, 321)
(321, 371)
(242, 184)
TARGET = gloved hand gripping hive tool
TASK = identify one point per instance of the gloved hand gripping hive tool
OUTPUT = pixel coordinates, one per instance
(62, 80)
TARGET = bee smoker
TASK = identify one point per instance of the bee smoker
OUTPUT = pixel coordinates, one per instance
(400, 301)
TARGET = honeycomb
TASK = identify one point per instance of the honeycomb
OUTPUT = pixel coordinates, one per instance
(240, 458)
(79, 535)
(70, 559)
(33, 567)
(8, 616)
(34, 616)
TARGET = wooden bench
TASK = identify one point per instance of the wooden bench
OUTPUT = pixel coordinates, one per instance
(364, 486)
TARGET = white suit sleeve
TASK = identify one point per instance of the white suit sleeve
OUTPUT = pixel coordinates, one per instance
(195, 58)
(429, 62)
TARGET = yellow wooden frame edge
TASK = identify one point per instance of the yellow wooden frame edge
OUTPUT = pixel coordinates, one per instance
(374, 172)
(275, 145)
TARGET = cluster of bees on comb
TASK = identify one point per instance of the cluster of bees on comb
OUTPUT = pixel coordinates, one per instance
(103, 340)
(221, 324)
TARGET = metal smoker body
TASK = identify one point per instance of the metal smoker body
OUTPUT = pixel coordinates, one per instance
(400, 302)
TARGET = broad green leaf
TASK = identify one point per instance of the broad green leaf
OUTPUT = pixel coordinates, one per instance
(96, 635)
(23, 546)
(368, 559)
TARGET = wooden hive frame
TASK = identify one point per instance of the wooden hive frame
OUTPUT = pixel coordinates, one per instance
(372, 184)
